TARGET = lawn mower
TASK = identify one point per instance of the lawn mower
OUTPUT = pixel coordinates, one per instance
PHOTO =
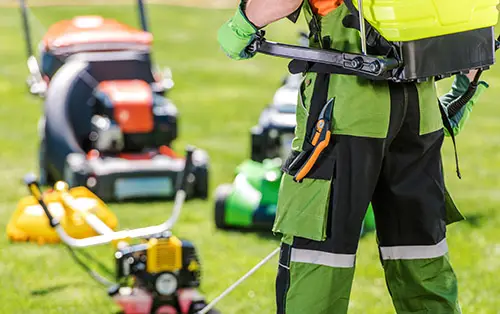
(107, 122)
(160, 274)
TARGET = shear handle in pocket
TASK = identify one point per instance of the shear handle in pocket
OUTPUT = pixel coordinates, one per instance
(320, 141)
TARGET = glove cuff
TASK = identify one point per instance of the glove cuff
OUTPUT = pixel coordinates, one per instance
(242, 23)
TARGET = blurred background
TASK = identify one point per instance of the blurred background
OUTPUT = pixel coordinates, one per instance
(219, 100)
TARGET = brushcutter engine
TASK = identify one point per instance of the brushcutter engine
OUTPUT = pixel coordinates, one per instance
(161, 265)
(163, 270)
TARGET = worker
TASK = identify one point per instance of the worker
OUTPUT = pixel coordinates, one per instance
(384, 147)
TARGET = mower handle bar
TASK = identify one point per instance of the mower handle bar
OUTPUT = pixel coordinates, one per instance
(108, 237)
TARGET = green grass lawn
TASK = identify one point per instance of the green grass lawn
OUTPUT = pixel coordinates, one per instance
(219, 100)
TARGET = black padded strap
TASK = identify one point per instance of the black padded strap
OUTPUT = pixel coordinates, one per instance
(318, 101)
(298, 66)
(293, 17)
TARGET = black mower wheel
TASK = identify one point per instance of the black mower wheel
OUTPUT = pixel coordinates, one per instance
(221, 194)
(201, 182)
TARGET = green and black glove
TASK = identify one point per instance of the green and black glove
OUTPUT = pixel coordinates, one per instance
(459, 87)
(236, 35)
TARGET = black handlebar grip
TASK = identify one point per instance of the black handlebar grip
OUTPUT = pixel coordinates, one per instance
(187, 168)
(32, 183)
(255, 45)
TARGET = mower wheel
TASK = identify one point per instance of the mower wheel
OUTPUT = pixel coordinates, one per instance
(257, 143)
(201, 182)
(221, 194)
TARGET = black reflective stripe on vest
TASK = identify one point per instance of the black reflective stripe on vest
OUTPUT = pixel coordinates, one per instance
(447, 125)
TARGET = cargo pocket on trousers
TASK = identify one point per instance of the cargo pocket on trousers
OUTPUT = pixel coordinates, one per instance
(302, 208)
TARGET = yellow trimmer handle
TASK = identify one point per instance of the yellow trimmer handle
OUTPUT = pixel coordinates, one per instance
(34, 187)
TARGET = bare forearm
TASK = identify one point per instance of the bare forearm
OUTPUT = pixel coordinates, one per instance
(264, 12)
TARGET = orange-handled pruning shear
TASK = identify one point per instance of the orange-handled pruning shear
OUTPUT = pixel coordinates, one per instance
(320, 140)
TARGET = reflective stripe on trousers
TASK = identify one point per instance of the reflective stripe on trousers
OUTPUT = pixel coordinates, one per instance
(323, 258)
(414, 251)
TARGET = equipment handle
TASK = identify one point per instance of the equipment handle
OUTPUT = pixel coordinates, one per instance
(142, 16)
(372, 67)
(187, 168)
(26, 28)
(32, 183)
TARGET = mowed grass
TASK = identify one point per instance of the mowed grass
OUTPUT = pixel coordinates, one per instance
(219, 100)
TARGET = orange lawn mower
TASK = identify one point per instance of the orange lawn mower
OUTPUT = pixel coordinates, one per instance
(108, 124)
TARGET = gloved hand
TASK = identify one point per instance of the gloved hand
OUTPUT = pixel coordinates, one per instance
(459, 87)
(236, 35)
